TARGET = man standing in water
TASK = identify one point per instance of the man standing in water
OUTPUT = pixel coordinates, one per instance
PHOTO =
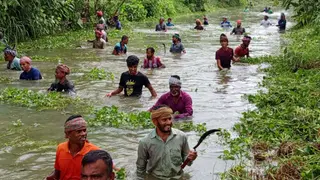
(224, 55)
(101, 20)
(161, 26)
(177, 46)
(132, 80)
(242, 50)
(10, 55)
(163, 150)
(282, 22)
(179, 101)
(239, 30)
(99, 43)
(225, 23)
(265, 22)
(121, 47)
(70, 153)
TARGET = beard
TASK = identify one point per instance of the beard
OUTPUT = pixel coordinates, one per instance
(165, 128)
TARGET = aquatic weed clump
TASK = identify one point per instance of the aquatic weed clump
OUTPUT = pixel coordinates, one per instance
(40, 101)
(98, 74)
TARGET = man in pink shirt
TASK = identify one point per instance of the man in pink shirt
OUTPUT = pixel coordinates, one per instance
(179, 101)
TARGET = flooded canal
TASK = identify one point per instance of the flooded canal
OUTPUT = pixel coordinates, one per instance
(217, 96)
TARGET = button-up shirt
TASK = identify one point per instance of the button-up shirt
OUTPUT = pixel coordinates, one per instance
(183, 105)
(162, 159)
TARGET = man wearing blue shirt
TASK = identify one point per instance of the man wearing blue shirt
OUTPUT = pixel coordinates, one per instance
(29, 72)
(225, 23)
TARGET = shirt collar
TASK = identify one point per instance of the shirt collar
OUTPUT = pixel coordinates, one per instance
(154, 133)
(82, 151)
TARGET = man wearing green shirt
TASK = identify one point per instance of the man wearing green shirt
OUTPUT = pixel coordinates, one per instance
(13, 61)
(164, 149)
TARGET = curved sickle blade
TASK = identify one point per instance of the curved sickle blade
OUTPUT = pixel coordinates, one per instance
(204, 136)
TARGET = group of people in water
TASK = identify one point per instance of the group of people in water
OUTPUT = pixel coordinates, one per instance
(164, 149)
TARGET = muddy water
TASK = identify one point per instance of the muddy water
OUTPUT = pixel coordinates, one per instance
(217, 96)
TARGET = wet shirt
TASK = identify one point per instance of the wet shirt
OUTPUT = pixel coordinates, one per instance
(169, 24)
(183, 106)
(133, 84)
(14, 64)
(238, 31)
(68, 165)
(265, 23)
(241, 52)
(225, 57)
(104, 35)
(162, 159)
(118, 25)
(206, 22)
(103, 21)
(226, 24)
(99, 44)
(67, 86)
(33, 74)
(160, 27)
(155, 62)
(120, 49)
(198, 27)
(176, 48)
(282, 24)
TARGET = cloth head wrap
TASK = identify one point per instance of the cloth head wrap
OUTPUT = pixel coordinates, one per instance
(63, 68)
(11, 52)
(239, 21)
(162, 112)
(75, 124)
(176, 36)
(174, 81)
(99, 13)
(25, 59)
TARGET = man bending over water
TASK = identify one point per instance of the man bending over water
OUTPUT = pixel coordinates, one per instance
(152, 61)
(132, 80)
(179, 101)
(242, 50)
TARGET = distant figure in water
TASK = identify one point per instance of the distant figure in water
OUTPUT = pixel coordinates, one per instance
(99, 43)
(269, 11)
(121, 47)
(205, 20)
(265, 10)
(265, 22)
(132, 81)
(169, 23)
(161, 26)
(62, 84)
(224, 55)
(29, 72)
(152, 61)
(225, 23)
(177, 46)
(100, 28)
(10, 55)
(242, 50)
(239, 30)
(117, 22)
(282, 22)
(198, 25)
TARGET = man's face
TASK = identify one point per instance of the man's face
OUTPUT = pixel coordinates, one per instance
(133, 69)
(224, 19)
(149, 54)
(165, 124)
(238, 24)
(77, 136)
(125, 41)
(25, 66)
(224, 43)
(175, 90)
(8, 57)
(174, 39)
(265, 18)
(160, 21)
(246, 43)
(96, 171)
(59, 74)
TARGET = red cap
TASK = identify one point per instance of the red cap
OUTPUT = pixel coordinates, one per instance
(239, 21)
(99, 13)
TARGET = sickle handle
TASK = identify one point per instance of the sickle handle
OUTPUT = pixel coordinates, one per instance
(186, 162)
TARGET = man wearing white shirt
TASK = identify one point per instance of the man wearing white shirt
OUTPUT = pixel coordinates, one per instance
(265, 22)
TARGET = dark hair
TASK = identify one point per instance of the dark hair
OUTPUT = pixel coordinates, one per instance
(151, 49)
(95, 155)
(223, 35)
(169, 19)
(175, 76)
(73, 117)
(124, 37)
(132, 60)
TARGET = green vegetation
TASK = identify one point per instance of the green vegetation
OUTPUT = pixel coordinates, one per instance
(99, 74)
(121, 174)
(41, 101)
(285, 125)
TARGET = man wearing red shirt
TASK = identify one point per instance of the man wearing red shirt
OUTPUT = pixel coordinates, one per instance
(242, 50)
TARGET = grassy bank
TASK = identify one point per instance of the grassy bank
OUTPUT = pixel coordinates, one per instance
(280, 138)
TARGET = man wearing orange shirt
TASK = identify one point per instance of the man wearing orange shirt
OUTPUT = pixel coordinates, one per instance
(70, 153)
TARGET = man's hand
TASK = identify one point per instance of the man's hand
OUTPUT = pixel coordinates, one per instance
(109, 94)
(192, 155)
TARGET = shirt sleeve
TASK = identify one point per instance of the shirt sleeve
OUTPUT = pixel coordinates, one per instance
(181, 47)
(244, 30)
(145, 63)
(188, 108)
(159, 62)
(160, 101)
(52, 87)
(21, 76)
(141, 161)
(146, 81)
(237, 51)
(122, 82)
(117, 49)
(185, 148)
(70, 87)
(234, 30)
(217, 55)
(36, 75)
(56, 163)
